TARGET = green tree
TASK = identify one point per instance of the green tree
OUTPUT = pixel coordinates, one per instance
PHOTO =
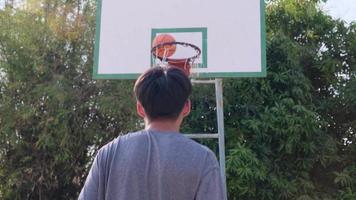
(290, 135)
(296, 128)
(53, 116)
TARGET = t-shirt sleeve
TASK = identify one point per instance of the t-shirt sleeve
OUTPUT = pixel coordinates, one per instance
(93, 186)
(211, 186)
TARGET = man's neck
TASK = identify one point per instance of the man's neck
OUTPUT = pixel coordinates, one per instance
(163, 126)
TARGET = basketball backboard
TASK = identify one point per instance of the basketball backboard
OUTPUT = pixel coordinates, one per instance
(230, 34)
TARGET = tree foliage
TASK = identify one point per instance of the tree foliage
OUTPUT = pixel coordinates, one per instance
(53, 115)
(290, 135)
(300, 120)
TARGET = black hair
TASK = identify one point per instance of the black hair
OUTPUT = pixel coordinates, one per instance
(163, 91)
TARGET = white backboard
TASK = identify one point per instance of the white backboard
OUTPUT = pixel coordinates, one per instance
(230, 33)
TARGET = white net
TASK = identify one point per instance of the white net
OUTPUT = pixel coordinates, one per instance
(184, 57)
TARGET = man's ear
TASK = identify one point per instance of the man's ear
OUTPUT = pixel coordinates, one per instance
(186, 108)
(140, 110)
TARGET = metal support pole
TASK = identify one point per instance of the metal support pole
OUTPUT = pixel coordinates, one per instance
(220, 120)
(221, 132)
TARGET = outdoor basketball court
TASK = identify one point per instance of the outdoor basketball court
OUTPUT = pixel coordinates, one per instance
(209, 39)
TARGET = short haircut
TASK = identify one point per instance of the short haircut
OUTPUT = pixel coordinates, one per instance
(163, 91)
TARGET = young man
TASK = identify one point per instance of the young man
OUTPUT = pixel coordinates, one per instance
(157, 163)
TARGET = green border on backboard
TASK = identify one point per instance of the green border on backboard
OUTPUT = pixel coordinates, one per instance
(263, 72)
(203, 31)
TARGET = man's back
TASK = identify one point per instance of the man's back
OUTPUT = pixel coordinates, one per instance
(154, 165)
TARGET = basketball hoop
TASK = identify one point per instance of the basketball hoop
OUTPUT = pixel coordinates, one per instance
(184, 59)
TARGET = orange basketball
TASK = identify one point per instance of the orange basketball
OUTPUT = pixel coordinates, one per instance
(165, 50)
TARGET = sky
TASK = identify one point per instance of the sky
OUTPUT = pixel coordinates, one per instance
(343, 9)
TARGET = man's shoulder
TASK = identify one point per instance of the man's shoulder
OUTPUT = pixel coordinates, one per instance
(196, 145)
(174, 139)
(122, 138)
(206, 154)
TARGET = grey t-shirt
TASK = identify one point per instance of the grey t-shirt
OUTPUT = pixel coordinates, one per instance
(151, 165)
